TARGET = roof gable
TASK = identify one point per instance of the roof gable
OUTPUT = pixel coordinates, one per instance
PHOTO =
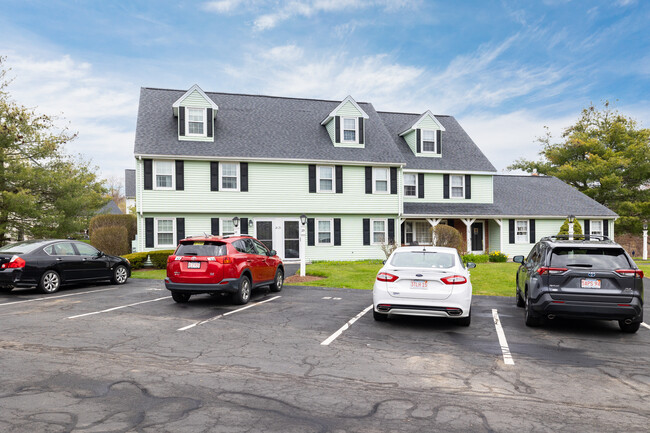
(194, 93)
(346, 107)
(426, 121)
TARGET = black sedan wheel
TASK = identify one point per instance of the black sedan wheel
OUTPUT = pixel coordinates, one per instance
(120, 275)
(50, 282)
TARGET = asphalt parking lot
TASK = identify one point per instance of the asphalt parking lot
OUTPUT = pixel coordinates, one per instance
(110, 358)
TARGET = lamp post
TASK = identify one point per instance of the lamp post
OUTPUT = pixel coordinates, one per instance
(303, 252)
(572, 218)
(235, 222)
(645, 241)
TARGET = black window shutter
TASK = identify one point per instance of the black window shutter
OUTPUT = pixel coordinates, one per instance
(391, 230)
(337, 127)
(587, 229)
(606, 228)
(531, 229)
(418, 140)
(148, 173)
(337, 231)
(214, 176)
(339, 179)
(468, 186)
(214, 226)
(243, 173)
(148, 232)
(244, 226)
(210, 121)
(311, 238)
(511, 231)
(366, 231)
(180, 229)
(181, 121)
(361, 130)
(420, 185)
(439, 140)
(368, 180)
(393, 180)
(180, 175)
(403, 233)
(445, 186)
(312, 178)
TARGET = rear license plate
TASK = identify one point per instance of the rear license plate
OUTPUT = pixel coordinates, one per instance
(418, 284)
(193, 265)
(590, 284)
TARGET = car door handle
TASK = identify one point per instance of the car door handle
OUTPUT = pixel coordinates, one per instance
(58, 259)
(248, 260)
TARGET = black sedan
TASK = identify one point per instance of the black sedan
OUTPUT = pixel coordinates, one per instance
(47, 264)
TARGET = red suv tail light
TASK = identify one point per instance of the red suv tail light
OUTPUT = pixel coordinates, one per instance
(544, 270)
(454, 279)
(225, 260)
(385, 276)
(630, 273)
(171, 259)
(15, 262)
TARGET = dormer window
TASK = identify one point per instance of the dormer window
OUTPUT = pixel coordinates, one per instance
(196, 121)
(349, 129)
(428, 140)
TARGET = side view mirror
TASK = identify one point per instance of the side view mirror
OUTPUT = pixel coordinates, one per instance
(100, 254)
(383, 262)
(518, 259)
(470, 265)
(273, 253)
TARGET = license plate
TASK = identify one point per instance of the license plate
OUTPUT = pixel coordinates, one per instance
(418, 284)
(193, 265)
(590, 284)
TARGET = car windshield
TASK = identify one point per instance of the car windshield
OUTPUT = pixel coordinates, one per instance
(200, 248)
(21, 247)
(596, 258)
(423, 259)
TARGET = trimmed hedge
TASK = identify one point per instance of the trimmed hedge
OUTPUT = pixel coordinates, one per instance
(127, 221)
(137, 259)
(475, 258)
(498, 257)
(111, 240)
(158, 258)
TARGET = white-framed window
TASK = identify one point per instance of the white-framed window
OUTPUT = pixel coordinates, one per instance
(195, 121)
(380, 177)
(521, 232)
(410, 185)
(325, 181)
(229, 176)
(227, 227)
(596, 227)
(349, 129)
(164, 174)
(324, 235)
(457, 186)
(165, 232)
(408, 233)
(379, 231)
(428, 141)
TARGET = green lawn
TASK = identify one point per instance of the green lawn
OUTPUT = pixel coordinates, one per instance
(149, 274)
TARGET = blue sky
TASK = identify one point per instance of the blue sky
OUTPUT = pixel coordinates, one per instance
(504, 69)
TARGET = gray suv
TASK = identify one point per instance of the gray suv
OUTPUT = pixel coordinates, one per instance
(590, 277)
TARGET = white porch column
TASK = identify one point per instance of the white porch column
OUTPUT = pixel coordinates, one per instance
(500, 223)
(434, 222)
(645, 241)
(468, 232)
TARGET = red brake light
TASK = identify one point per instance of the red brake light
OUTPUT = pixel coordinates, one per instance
(544, 270)
(630, 272)
(385, 276)
(454, 279)
(15, 262)
(226, 260)
(171, 259)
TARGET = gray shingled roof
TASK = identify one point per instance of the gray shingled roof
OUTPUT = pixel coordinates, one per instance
(459, 152)
(249, 126)
(129, 183)
(521, 196)
(110, 208)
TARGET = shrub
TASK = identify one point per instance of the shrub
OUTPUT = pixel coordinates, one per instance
(111, 240)
(475, 258)
(447, 236)
(564, 228)
(388, 247)
(127, 221)
(498, 257)
(137, 259)
(159, 258)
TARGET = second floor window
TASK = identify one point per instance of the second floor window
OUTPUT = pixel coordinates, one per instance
(195, 121)
(325, 179)
(410, 185)
(164, 174)
(457, 186)
(349, 129)
(229, 175)
(428, 140)
(380, 176)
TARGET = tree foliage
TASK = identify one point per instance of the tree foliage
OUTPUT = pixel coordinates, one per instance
(564, 228)
(43, 191)
(606, 155)
(447, 236)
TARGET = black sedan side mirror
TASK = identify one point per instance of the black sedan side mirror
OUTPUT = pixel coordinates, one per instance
(470, 265)
(100, 254)
(518, 259)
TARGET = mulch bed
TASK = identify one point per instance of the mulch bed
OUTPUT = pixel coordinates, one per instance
(299, 279)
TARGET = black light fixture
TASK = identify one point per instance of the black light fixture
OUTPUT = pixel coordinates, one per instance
(571, 219)
(235, 221)
(303, 219)
(645, 226)
(250, 223)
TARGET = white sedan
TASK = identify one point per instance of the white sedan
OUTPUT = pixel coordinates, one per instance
(424, 281)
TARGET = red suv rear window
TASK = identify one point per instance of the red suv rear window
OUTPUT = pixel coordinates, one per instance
(201, 248)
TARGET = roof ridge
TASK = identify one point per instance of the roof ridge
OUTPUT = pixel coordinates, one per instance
(411, 114)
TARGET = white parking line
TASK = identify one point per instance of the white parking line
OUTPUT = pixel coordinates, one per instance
(344, 327)
(47, 298)
(507, 357)
(645, 325)
(117, 308)
(185, 328)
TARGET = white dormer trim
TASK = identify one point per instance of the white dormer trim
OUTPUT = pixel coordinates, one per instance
(338, 107)
(196, 87)
(420, 119)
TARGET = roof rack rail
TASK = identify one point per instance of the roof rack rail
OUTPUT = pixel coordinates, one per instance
(576, 237)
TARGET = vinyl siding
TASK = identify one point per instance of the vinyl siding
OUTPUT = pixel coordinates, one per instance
(543, 227)
(482, 191)
(494, 232)
(331, 130)
(195, 99)
(349, 110)
(411, 139)
(427, 123)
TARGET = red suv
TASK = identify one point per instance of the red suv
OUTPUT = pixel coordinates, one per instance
(215, 264)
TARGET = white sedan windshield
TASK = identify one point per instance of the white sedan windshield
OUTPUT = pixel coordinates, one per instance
(423, 259)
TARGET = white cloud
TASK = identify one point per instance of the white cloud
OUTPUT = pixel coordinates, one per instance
(222, 6)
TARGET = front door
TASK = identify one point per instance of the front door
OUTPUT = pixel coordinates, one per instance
(264, 233)
(291, 239)
(477, 237)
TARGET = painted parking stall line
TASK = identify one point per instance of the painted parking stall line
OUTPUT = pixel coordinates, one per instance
(117, 308)
(645, 325)
(507, 356)
(185, 328)
(48, 298)
(335, 335)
